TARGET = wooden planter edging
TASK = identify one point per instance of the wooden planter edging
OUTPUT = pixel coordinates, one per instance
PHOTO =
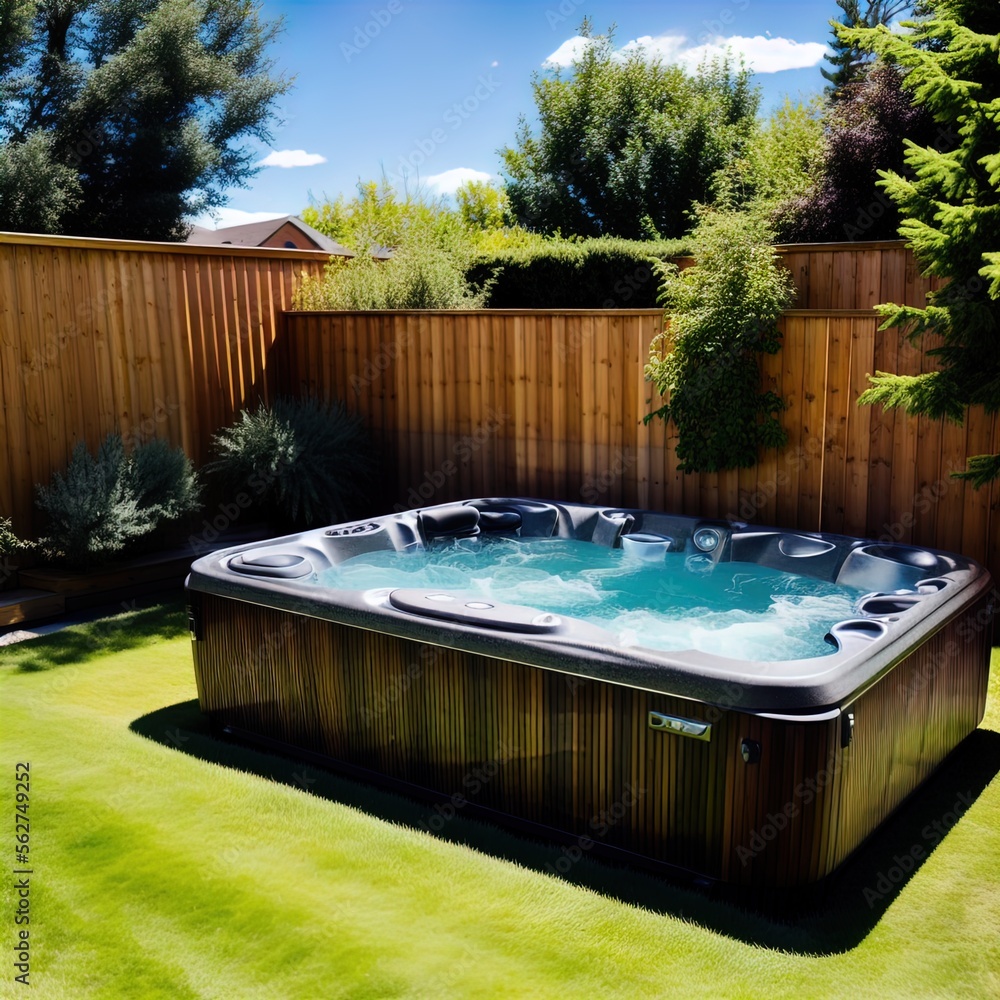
(28, 605)
(121, 581)
(118, 581)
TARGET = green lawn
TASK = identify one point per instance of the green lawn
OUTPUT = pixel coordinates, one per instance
(166, 864)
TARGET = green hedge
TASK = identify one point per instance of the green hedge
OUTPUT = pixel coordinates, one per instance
(589, 274)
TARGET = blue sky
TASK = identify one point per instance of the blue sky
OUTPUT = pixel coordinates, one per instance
(431, 89)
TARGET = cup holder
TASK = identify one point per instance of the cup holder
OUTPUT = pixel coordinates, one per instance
(882, 605)
(646, 545)
(856, 631)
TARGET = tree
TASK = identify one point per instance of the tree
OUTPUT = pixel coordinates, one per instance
(848, 60)
(483, 205)
(780, 160)
(626, 144)
(951, 212)
(865, 132)
(123, 117)
(36, 191)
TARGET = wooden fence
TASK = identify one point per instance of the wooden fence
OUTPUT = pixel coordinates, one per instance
(855, 275)
(170, 340)
(551, 404)
(150, 339)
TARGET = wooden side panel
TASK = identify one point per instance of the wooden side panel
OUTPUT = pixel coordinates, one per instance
(577, 755)
(910, 721)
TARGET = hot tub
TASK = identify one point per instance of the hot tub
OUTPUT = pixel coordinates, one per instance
(744, 703)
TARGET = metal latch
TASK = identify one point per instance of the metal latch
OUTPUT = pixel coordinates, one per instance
(683, 727)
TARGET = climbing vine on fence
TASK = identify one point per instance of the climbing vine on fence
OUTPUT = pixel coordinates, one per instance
(721, 315)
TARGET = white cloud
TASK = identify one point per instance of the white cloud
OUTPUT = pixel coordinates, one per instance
(291, 158)
(669, 48)
(763, 55)
(223, 217)
(449, 181)
(569, 51)
(495, 63)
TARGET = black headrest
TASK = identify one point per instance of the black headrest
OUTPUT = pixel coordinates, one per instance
(449, 522)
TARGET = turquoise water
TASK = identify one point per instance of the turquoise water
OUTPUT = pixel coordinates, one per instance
(732, 609)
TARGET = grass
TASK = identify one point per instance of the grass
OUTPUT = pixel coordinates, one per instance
(167, 864)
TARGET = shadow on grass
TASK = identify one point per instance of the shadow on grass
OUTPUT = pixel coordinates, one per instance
(833, 917)
(114, 633)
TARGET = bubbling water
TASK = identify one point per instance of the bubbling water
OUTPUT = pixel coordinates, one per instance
(734, 609)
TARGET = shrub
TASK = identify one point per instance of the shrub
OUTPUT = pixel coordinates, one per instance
(301, 460)
(865, 134)
(722, 313)
(9, 542)
(105, 502)
(563, 274)
(421, 274)
(162, 480)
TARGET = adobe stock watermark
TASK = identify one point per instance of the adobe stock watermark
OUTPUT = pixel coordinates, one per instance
(472, 783)
(86, 312)
(946, 138)
(443, 984)
(923, 500)
(594, 487)
(969, 628)
(257, 484)
(143, 431)
(463, 451)
(598, 827)
(626, 286)
(805, 792)
(365, 34)
(453, 118)
(721, 24)
(566, 9)
(271, 644)
(377, 365)
(798, 458)
(426, 657)
(903, 863)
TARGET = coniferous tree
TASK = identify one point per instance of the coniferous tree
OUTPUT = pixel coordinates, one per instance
(117, 119)
(848, 61)
(951, 212)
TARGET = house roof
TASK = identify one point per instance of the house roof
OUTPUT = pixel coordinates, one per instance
(255, 234)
